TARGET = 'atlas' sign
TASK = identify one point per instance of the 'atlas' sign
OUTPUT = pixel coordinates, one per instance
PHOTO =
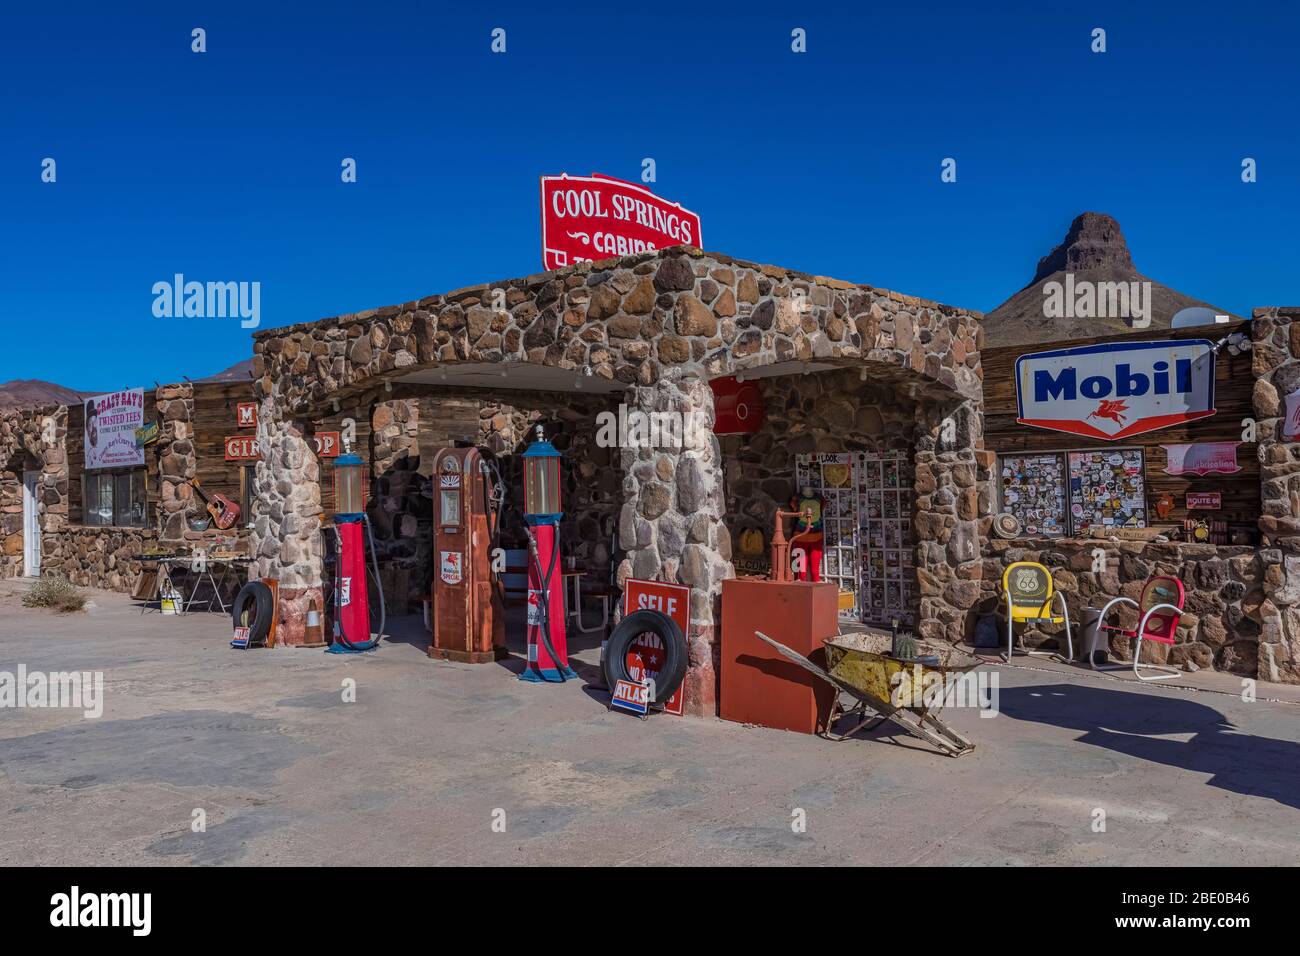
(598, 217)
(1118, 390)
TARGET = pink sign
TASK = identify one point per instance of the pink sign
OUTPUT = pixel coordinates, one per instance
(1291, 426)
(1202, 458)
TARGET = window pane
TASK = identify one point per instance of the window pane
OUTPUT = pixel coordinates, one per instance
(136, 511)
(104, 499)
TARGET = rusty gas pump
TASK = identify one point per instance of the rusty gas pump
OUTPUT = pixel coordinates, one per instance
(468, 618)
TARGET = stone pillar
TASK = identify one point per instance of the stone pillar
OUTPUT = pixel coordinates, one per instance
(1275, 335)
(174, 405)
(954, 505)
(287, 520)
(671, 524)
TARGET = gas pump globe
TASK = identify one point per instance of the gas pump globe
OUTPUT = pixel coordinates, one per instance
(548, 654)
(349, 485)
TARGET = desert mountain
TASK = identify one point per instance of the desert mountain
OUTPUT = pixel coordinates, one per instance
(1093, 252)
(32, 392)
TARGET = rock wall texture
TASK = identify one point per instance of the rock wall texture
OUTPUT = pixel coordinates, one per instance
(625, 320)
(33, 440)
(1275, 335)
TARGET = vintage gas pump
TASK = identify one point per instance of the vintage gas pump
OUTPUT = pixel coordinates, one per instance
(351, 598)
(548, 650)
(468, 613)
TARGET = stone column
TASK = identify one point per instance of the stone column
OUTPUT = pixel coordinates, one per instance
(953, 511)
(287, 520)
(1275, 335)
(671, 524)
(174, 406)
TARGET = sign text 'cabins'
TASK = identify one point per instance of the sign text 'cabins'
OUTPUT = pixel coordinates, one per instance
(585, 218)
(1115, 391)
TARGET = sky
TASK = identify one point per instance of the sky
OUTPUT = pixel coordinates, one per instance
(225, 165)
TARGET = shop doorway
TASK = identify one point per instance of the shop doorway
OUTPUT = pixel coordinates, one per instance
(31, 524)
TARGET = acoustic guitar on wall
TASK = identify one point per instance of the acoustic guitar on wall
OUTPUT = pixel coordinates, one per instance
(224, 511)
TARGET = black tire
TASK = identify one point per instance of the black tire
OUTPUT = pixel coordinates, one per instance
(670, 636)
(253, 609)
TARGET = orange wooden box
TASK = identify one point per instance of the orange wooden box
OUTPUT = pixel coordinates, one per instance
(759, 686)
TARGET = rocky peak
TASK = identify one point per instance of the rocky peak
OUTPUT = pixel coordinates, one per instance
(1093, 242)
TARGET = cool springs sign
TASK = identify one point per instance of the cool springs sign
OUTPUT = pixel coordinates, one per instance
(598, 217)
(1118, 390)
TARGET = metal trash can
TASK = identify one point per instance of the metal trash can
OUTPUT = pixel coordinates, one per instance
(1096, 649)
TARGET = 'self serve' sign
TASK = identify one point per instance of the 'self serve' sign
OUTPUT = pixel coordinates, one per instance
(598, 217)
(1116, 391)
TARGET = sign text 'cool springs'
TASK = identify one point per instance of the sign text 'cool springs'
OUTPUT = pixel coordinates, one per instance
(585, 218)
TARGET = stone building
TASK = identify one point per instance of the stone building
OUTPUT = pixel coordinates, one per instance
(841, 367)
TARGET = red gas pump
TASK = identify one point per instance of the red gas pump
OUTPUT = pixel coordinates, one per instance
(352, 529)
(548, 649)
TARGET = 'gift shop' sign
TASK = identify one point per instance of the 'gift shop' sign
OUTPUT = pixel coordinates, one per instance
(1118, 390)
(245, 447)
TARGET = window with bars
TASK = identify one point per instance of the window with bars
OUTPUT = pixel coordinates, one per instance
(115, 498)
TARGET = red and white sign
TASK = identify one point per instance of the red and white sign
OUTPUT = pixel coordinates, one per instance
(1117, 390)
(246, 415)
(1202, 458)
(450, 565)
(245, 447)
(598, 217)
(645, 657)
(1204, 500)
(738, 406)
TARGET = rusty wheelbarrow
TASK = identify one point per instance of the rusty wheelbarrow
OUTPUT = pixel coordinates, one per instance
(861, 666)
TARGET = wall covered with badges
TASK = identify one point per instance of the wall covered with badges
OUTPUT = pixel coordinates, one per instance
(1033, 489)
(1107, 488)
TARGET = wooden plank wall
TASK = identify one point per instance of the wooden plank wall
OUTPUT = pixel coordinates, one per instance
(213, 418)
(1234, 384)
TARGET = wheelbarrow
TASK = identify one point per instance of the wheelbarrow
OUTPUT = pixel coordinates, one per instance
(861, 666)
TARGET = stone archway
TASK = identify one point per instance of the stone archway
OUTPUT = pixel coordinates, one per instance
(657, 327)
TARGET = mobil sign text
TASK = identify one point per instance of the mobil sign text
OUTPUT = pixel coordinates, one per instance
(598, 217)
(1118, 390)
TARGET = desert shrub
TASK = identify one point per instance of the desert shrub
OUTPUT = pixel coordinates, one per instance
(57, 592)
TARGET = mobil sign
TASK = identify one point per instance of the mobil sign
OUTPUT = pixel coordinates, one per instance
(1117, 390)
(599, 217)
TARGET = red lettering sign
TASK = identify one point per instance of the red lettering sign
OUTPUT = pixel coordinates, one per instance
(1204, 500)
(645, 656)
(245, 447)
(598, 217)
(246, 415)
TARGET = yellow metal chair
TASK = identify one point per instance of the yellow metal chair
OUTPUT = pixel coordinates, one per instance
(1029, 593)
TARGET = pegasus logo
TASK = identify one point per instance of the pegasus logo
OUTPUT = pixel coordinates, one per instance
(1110, 411)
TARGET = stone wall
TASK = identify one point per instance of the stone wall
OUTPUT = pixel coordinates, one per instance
(1275, 335)
(33, 439)
(671, 523)
(1224, 586)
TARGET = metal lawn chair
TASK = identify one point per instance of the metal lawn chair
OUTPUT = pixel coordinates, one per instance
(1160, 609)
(1029, 594)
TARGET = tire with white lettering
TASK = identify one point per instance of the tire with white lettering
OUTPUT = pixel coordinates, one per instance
(671, 638)
(252, 609)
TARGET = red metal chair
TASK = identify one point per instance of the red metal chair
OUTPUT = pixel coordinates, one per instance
(1159, 610)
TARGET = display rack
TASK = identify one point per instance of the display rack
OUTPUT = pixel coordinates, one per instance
(833, 478)
(884, 496)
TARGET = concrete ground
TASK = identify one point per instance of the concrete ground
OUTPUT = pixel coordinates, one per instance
(431, 753)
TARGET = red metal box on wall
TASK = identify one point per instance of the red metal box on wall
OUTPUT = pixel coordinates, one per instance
(759, 686)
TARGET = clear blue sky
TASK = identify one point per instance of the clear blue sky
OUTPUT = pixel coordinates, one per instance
(225, 165)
